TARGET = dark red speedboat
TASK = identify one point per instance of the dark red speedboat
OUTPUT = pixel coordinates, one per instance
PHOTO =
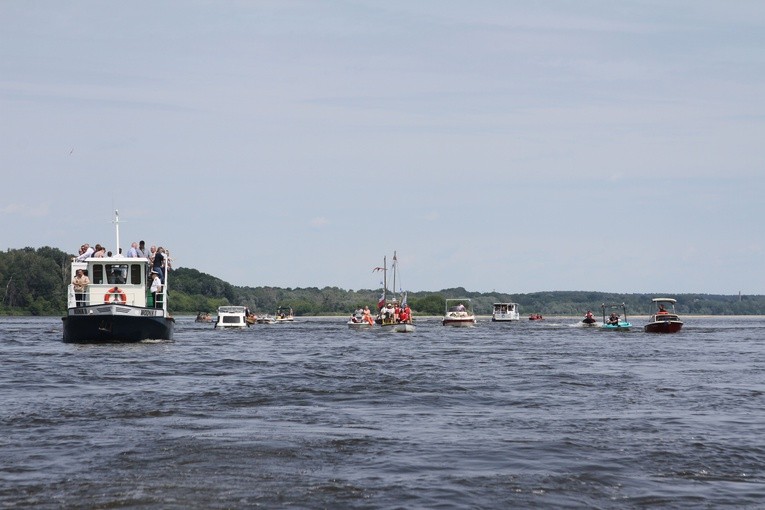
(664, 320)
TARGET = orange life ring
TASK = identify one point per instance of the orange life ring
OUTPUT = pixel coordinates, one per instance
(115, 295)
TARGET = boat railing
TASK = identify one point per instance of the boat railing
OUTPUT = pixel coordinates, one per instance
(100, 294)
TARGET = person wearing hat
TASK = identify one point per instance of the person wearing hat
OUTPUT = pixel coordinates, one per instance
(156, 287)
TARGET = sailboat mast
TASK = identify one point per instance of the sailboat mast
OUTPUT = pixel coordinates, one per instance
(385, 278)
(395, 263)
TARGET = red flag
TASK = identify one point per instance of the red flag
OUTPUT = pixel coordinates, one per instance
(381, 302)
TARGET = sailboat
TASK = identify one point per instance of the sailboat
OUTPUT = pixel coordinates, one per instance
(393, 315)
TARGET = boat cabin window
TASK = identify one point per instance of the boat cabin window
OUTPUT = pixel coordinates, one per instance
(135, 274)
(98, 274)
(116, 274)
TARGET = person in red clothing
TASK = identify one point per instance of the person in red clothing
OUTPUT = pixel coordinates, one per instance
(405, 315)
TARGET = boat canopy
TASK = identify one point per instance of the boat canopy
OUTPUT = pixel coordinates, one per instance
(664, 300)
(231, 309)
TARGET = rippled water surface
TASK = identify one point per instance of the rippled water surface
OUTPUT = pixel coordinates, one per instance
(313, 415)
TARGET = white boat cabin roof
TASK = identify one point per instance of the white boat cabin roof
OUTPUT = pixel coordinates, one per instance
(664, 300)
(231, 309)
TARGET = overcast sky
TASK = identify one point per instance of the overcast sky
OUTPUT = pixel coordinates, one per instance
(513, 146)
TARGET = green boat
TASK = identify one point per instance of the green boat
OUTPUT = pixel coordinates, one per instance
(615, 321)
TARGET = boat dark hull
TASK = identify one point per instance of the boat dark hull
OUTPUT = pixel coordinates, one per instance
(663, 327)
(459, 323)
(116, 328)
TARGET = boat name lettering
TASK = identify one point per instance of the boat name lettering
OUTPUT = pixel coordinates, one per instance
(80, 311)
(147, 313)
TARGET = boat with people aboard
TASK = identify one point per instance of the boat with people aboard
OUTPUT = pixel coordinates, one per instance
(232, 317)
(284, 315)
(589, 320)
(392, 314)
(615, 321)
(117, 299)
(664, 319)
(505, 312)
(536, 317)
(203, 317)
(361, 319)
(459, 313)
(266, 319)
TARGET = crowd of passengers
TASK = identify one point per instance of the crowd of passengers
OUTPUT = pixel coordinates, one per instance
(157, 257)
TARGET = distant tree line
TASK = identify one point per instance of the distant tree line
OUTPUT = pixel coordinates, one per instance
(34, 282)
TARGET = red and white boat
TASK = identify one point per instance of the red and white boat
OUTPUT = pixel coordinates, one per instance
(664, 320)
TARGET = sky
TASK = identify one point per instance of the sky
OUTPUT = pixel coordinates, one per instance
(507, 146)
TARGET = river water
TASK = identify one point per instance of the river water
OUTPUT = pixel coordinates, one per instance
(313, 415)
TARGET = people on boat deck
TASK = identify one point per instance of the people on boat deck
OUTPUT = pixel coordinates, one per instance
(80, 282)
(99, 252)
(133, 251)
(405, 315)
(142, 249)
(85, 252)
(460, 307)
(588, 315)
(367, 315)
(158, 262)
(156, 287)
(662, 309)
(613, 318)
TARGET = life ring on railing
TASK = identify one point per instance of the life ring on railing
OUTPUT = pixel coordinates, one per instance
(115, 295)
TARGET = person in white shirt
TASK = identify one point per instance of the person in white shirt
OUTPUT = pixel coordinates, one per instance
(85, 254)
(156, 287)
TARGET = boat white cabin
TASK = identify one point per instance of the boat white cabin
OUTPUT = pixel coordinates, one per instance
(505, 312)
(231, 317)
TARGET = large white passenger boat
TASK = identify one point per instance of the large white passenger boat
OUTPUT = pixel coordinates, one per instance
(505, 312)
(117, 305)
(231, 317)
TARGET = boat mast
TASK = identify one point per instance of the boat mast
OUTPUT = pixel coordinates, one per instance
(117, 229)
(395, 263)
(385, 277)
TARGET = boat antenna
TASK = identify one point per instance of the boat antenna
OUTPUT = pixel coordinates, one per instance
(117, 229)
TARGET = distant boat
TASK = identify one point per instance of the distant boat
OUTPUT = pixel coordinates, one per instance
(536, 317)
(459, 313)
(615, 321)
(203, 317)
(361, 320)
(284, 315)
(664, 320)
(231, 317)
(393, 315)
(505, 312)
(589, 320)
(117, 306)
(266, 319)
